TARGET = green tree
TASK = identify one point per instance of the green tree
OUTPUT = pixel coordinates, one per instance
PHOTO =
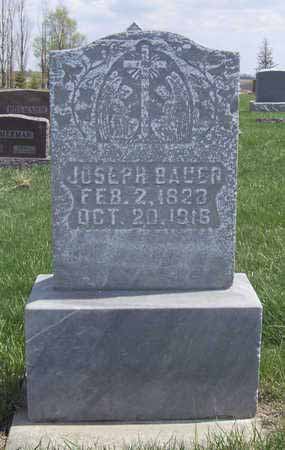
(20, 80)
(34, 82)
(62, 30)
(58, 32)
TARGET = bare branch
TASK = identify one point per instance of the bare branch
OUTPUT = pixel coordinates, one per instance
(23, 35)
(265, 56)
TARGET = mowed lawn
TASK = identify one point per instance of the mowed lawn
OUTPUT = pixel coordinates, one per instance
(25, 252)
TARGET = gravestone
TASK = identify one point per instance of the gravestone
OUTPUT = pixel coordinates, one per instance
(270, 120)
(28, 102)
(270, 91)
(144, 140)
(23, 136)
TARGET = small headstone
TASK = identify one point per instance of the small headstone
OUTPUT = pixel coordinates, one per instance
(270, 91)
(23, 136)
(270, 120)
(28, 102)
(270, 86)
(144, 141)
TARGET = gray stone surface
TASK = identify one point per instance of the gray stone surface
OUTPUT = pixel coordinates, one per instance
(142, 356)
(27, 435)
(270, 86)
(23, 136)
(267, 107)
(144, 139)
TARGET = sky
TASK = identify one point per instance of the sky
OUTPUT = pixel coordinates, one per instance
(236, 25)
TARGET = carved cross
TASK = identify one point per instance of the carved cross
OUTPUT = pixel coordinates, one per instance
(145, 68)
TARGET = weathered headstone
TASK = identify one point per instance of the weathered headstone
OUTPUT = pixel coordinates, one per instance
(23, 136)
(144, 139)
(270, 91)
(28, 102)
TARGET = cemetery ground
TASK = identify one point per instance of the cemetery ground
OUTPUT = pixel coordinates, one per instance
(25, 252)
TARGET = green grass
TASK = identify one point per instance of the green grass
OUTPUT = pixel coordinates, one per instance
(261, 236)
(261, 216)
(25, 251)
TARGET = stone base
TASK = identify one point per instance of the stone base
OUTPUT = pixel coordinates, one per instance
(267, 106)
(142, 356)
(7, 162)
(27, 435)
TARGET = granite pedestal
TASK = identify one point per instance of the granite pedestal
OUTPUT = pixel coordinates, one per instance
(25, 435)
(267, 106)
(142, 356)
